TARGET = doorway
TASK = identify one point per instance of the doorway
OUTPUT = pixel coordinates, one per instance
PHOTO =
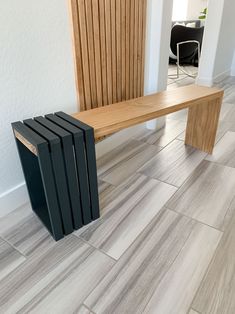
(188, 19)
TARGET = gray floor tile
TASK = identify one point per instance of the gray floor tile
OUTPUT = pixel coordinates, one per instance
(207, 194)
(23, 229)
(174, 163)
(169, 243)
(228, 112)
(56, 281)
(164, 136)
(10, 259)
(118, 165)
(175, 292)
(216, 293)
(128, 287)
(224, 151)
(130, 209)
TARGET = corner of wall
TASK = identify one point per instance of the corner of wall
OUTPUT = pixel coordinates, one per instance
(13, 198)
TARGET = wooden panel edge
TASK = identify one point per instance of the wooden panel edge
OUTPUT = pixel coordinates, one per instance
(26, 143)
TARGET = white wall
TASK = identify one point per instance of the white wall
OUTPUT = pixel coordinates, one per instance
(226, 41)
(194, 8)
(159, 14)
(233, 64)
(36, 77)
(219, 42)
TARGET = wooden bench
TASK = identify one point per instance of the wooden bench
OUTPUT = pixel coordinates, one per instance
(57, 152)
(204, 105)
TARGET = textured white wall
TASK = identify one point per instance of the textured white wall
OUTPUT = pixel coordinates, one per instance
(218, 43)
(158, 31)
(226, 42)
(36, 77)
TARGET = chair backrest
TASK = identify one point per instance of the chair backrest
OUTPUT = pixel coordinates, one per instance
(181, 33)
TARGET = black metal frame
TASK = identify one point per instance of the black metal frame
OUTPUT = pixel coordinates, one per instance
(57, 154)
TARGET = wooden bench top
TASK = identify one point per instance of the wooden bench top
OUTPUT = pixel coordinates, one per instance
(109, 119)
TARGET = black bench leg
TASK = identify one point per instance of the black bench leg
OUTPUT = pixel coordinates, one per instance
(36, 146)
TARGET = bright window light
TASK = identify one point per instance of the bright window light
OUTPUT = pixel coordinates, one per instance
(179, 10)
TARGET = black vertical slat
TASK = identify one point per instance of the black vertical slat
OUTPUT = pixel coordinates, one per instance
(67, 146)
(91, 160)
(79, 149)
(39, 179)
(59, 172)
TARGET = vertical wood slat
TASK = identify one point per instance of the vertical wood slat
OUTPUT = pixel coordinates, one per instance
(144, 17)
(119, 56)
(123, 45)
(95, 11)
(109, 45)
(77, 53)
(103, 51)
(139, 50)
(136, 28)
(91, 52)
(108, 49)
(127, 48)
(84, 49)
(132, 28)
(114, 56)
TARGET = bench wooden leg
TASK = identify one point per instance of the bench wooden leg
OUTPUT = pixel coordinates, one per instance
(202, 125)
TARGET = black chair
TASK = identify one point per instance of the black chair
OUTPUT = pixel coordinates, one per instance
(185, 46)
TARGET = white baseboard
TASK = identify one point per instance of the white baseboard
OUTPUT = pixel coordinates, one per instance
(210, 81)
(220, 77)
(13, 198)
(204, 81)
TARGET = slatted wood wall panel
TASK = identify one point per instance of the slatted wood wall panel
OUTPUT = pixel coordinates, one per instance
(109, 46)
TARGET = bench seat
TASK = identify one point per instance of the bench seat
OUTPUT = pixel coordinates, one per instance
(109, 119)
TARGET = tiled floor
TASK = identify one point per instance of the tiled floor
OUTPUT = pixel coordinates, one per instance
(165, 242)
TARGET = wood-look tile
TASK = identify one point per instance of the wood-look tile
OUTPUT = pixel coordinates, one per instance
(129, 285)
(163, 136)
(176, 291)
(10, 258)
(207, 194)
(192, 312)
(174, 163)
(224, 151)
(216, 293)
(119, 164)
(23, 229)
(56, 281)
(83, 310)
(130, 209)
(228, 112)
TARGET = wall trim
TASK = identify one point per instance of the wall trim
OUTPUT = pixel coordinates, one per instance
(208, 81)
(13, 198)
(204, 81)
(221, 76)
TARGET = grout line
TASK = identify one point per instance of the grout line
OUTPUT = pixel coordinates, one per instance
(194, 310)
(206, 272)
(87, 307)
(14, 247)
(97, 249)
(173, 261)
(194, 219)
